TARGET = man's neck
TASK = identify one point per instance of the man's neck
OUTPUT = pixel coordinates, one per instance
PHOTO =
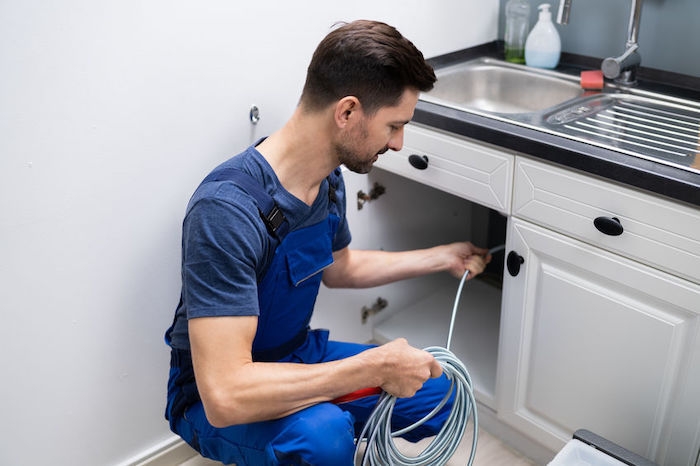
(300, 154)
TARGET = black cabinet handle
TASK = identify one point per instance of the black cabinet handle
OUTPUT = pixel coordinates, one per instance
(609, 225)
(418, 161)
(513, 263)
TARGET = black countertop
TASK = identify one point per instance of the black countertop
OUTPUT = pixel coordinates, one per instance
(672, 182)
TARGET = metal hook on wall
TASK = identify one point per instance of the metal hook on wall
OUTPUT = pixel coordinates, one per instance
(254, 114)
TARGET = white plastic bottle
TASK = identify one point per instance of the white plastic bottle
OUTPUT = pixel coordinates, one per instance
(543, 45)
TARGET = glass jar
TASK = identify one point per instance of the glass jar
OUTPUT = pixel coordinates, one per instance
(517, 27)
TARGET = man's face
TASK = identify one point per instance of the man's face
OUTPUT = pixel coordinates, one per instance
(372, 136)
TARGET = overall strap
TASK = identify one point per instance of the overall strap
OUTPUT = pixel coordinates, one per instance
(333, 185)
(271, 214)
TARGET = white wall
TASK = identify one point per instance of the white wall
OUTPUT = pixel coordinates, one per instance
(110, 114)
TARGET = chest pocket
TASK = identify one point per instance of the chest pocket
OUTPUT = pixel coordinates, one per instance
(288, 291)
(308, 257)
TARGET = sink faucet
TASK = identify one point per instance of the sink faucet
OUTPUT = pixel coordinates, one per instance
(622, 69)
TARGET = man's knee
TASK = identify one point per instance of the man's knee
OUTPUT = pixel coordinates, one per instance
(321, 435)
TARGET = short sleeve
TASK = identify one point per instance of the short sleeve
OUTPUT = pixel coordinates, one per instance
(222, 247)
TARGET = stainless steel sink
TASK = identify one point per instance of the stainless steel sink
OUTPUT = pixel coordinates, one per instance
(500, 87)
(661, 130)
(627, 120)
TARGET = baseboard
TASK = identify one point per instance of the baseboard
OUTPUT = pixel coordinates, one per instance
(170, 452)
(488, 420)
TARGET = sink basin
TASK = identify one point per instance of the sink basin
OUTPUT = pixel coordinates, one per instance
(495, 86)
(632, 121)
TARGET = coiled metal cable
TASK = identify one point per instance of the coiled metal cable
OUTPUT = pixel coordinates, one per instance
(381, 449)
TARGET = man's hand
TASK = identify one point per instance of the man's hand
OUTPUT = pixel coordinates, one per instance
(404, 368)
(465, 256)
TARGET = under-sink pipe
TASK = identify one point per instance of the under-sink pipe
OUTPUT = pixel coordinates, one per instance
(623, 69)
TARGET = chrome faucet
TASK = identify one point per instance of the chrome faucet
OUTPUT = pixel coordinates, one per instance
(564, 10)
(622, 69)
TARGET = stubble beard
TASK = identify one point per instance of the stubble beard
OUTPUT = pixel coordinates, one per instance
(355, 160)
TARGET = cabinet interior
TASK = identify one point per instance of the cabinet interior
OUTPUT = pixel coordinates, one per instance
(412, 215)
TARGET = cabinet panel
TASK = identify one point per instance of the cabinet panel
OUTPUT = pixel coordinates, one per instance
(455, 165)
(657, 232)
(592, 340)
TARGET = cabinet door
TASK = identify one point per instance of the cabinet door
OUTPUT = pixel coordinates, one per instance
(593, 340)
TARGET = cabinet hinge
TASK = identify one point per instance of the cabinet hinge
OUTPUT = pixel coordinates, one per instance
(378, 305)
(362, 197)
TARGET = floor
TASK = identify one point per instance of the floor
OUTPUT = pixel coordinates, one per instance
(490, 452)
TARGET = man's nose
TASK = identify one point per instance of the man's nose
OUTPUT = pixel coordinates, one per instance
(396, 141)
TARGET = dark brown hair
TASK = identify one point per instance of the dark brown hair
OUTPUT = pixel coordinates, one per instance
(366, 59)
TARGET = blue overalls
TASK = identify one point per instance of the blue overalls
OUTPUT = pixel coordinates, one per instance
(319, 435)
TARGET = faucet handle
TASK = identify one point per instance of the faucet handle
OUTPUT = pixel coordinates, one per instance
(613, 67)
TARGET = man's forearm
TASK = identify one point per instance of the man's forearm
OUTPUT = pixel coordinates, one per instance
(262, 391)
(364, 269)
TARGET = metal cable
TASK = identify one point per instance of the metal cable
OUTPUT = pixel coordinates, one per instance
(381, 449)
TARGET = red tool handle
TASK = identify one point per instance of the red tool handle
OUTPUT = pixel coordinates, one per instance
(357, 394)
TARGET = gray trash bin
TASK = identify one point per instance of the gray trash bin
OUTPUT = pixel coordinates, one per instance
(589, 449)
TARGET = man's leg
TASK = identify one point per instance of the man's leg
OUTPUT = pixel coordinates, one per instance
(320, 435)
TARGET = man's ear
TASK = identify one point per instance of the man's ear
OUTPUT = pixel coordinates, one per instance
(346, 109)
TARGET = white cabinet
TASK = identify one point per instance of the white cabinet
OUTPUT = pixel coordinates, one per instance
(470, 172)
(423, 208)
(658, 232)
(591, 339)
(595, 331)
(455, 165)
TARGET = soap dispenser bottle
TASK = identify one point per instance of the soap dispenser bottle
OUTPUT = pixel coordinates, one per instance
(517, 26)
(543, 45)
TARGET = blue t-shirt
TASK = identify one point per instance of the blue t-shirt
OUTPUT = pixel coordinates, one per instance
(226, 247)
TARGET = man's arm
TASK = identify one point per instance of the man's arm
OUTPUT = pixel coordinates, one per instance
(236, 390)
(362, 269)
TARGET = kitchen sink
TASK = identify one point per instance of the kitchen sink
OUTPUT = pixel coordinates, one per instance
(661, 130)
(629, 120)
(500, 87)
